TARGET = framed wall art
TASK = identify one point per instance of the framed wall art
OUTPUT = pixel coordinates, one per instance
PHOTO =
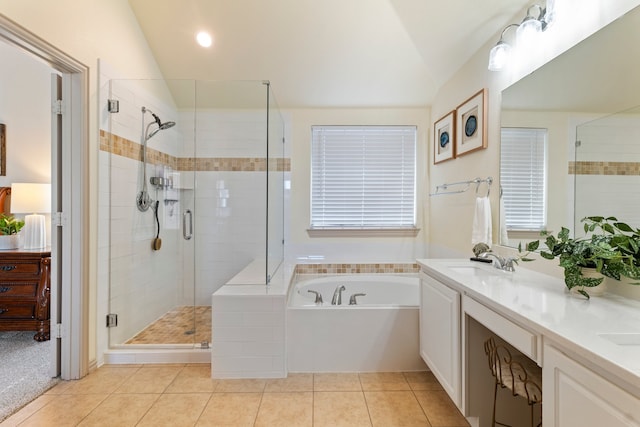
(444, 138)
(471, 124)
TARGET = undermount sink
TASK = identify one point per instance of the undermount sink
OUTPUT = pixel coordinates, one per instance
(629, 338)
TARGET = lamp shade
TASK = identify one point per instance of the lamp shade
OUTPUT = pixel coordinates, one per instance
(30, 198)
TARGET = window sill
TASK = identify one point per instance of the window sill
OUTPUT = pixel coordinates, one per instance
(373, 232)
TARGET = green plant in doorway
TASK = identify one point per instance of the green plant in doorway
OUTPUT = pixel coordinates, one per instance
(10, 225)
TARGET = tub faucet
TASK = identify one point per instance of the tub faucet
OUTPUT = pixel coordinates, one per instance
(337, 295)
(318, 296)
(352, 300)
(505, 264)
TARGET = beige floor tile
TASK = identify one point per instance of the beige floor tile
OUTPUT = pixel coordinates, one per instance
(395, 408)
(378, 381)
(336, 382)
(293, 382)
(424, 380)
(340, 409)
(64, 410)
(230, 409)
(286, 409)
(241, 386)
(101, 381)
(175, 410)
(120, 410)
(440, 410)
(193, 379)
(28, 410)
(150, 379)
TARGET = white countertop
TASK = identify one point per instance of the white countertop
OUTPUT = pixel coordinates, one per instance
(542, 304)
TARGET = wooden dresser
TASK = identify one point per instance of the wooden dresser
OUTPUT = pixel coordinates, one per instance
(25, 277)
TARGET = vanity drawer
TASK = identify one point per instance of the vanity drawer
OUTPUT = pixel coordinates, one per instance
(519, 337)
(17, 311)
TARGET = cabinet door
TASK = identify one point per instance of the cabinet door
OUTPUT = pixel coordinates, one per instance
(576, 396)
(440, 334)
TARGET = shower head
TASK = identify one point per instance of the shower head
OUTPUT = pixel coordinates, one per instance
(161, 126)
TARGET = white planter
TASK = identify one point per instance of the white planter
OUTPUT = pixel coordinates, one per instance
(11, 241)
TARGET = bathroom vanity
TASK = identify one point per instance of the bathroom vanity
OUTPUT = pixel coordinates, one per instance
(589, 350)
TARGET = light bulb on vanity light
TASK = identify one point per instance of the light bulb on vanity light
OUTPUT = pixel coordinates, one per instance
(33, 200)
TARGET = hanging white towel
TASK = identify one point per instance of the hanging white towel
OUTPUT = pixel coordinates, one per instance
(481, 232)
(504, 236)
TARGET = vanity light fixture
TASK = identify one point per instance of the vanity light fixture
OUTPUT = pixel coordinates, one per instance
(526, 33)
(500, 53)
(530, 27)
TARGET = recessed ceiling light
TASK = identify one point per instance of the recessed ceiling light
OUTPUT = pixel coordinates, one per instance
(204, 39)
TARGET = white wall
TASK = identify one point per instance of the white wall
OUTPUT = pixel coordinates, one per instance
(450, 217)
(25, 109)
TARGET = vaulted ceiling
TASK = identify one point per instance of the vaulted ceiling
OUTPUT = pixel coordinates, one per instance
(327, 53)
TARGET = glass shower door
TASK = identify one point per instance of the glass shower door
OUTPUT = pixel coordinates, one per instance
(150, 155)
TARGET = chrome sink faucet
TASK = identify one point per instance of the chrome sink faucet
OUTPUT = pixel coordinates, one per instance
(337, 295)
(505, 264)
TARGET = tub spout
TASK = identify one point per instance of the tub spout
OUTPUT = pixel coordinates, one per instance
(352, 300)
(318, 296)
(337, 295)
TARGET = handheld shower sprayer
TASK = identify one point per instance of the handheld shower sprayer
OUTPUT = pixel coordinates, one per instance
(143, 200)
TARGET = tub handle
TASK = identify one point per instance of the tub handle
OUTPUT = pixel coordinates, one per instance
(318, 296)
(352, 300)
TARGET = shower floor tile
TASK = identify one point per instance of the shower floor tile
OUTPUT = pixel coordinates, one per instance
(182, 325)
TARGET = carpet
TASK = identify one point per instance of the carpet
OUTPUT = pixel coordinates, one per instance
(24, 370)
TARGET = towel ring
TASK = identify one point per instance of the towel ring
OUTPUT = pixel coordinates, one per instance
(480, 181)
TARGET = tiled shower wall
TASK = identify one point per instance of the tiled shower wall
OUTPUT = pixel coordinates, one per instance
(607, 169)
(224, 152)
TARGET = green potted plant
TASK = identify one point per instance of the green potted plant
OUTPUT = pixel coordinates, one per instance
(611, 248)
(9, 229)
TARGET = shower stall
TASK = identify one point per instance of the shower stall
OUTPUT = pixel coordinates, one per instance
(196, 192)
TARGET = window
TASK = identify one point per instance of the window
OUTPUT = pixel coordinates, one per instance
(523, 178)
(363, 177)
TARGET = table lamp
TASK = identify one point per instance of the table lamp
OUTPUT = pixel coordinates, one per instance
(32, 199)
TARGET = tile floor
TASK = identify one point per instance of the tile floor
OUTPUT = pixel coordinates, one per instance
(185, 395)
(182, 325)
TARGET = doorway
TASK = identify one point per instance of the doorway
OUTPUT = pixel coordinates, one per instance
(70, 208)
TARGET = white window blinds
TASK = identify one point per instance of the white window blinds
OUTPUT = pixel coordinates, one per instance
(522, 177)
(363, 177)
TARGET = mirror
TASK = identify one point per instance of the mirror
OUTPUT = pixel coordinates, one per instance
(595, 78)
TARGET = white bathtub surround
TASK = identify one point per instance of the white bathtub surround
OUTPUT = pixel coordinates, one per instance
(248, 326)
(362, 339)
(379, 334)
(253, 328)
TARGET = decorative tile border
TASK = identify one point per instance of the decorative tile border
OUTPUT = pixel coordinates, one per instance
(132, 150)
(604, 168)
(356, 268)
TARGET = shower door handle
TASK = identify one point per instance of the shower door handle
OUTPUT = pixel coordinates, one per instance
(187, 233)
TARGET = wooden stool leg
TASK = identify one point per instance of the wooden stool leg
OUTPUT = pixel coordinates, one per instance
(495, 395)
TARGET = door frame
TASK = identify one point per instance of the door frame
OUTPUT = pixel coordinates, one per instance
(73, 192)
